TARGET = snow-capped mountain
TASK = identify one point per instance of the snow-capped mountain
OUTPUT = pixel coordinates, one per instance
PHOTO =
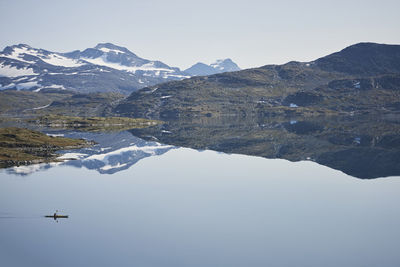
(120, 58)
(104, 68)
(221, 65)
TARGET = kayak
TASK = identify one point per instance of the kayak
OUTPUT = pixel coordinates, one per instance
(56, 217)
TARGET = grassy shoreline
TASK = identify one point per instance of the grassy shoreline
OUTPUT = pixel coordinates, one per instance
(92, 123)
(20, 146)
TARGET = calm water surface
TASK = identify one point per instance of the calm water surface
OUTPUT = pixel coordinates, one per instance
(184, 207)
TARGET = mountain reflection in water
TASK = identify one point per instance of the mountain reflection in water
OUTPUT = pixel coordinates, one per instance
(113, 152)
(364, 147)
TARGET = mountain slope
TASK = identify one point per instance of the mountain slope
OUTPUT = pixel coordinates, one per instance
(361, 78)
(363, 59)
(104, 68)
(220, 66)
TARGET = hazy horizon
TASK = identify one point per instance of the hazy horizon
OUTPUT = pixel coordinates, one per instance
(182, 33)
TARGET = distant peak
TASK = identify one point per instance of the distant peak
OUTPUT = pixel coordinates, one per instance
(10, 49)
(111, 47)
(200, 64)
(219, 66)
(21, 46)
(225, 65)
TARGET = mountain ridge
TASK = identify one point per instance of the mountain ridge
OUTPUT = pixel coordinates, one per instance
(361, 78)
(106, 67)
(115, 69)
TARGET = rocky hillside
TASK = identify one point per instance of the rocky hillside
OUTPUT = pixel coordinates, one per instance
(363, 78)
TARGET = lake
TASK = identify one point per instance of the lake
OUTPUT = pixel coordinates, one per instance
(139, 199)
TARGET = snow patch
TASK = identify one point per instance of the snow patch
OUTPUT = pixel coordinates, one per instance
(42, 107)
(56, 73)
(11, 71)
(11, 85)
(56, 86)
(52, 58)
(27, 85)
(27, 169)
(49, 134)
(18, 54)
(151, 91)
(58, 60)
(72, 156)
(217, 64)
(102, 61)
(109, 167)
(108, 50)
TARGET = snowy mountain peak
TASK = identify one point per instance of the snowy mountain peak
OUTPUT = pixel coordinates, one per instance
(107, 54)
(120, 58)
(225, 65)
(27, 54)
(20, 46)
(112, 48)
(106, 67)
(18, 50)
(219, 66)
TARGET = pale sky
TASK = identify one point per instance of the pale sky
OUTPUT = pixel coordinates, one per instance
(180, 33)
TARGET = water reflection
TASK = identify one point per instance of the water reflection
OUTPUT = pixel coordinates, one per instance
(364, 147)
(113, 152)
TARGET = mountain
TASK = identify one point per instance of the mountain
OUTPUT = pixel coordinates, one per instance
(362, 78)
(104, 68)
(220, 66)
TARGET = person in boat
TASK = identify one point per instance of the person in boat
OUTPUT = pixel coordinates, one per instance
(55, 214)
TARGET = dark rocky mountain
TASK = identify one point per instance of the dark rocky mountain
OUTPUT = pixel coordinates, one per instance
(220, 66)
(104, 68)
(363, 78)
(363, 59)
